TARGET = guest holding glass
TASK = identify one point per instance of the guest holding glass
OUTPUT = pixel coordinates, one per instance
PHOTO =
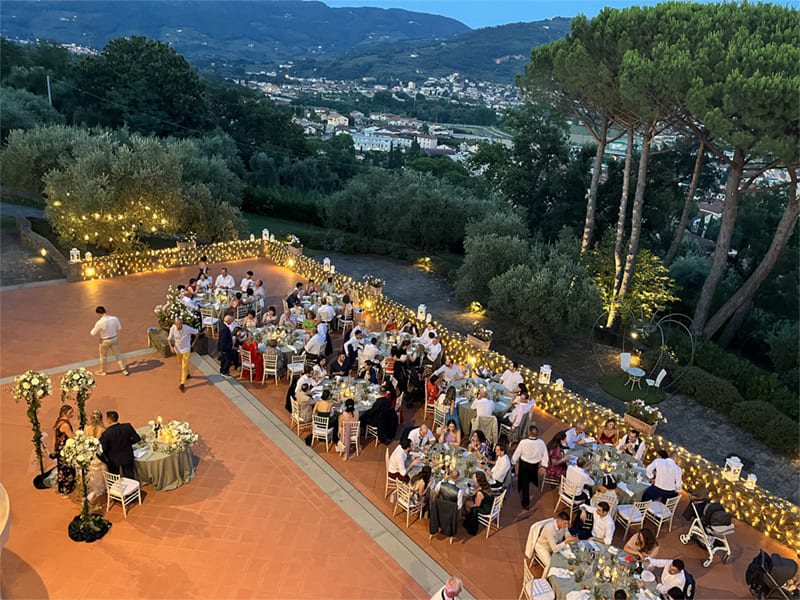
(451, 434)
(642, 545)
(478, 444)
(447, 402)
(481, 505)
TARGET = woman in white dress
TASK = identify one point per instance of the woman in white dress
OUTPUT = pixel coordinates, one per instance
(95, 478)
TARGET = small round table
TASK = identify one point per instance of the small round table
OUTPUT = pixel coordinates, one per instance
(165, 471)
(635, 375)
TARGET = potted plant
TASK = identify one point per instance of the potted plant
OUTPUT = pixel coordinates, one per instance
(172, 309)
(643, 417)
(33, 387)
(79, 453)
(81, 382)
(293, 244)
(374, 285)
(187, 240)
(480, 338)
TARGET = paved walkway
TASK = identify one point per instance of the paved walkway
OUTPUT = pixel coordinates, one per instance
(22, 264)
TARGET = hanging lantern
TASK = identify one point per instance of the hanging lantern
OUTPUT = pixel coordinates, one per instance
(326, 264)
(750, 482)
(421, 311)
(271, 237)
(74, 255)
(559, 385)
(252, 237)
(333, 269)
(732, 469)
(265, 235)
(428, 318)
(88, 256)
(544, 374)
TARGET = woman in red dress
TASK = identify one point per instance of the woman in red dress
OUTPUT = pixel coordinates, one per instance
(609, 434)
(252, 346)
(558, 461)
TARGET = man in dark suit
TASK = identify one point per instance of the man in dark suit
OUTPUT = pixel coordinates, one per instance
(225, 346)
(117, 442)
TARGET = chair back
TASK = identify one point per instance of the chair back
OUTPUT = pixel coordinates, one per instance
(497, 505)
(625, 361)
(639, 508)
(244, 356)
(404, 493)
(488, 425)
(352, 431)
(610, 498)
(568, 489)
(295, 410)
(321, 424)
(672, 506)
(661, 374)
(271, 362)
(533, 536)
(241, 312)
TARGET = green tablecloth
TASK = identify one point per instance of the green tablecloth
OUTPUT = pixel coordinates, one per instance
(624, 467)
(562, 586)
(165, 471)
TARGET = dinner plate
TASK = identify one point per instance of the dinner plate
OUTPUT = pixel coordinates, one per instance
(578, 595)
(647, 576)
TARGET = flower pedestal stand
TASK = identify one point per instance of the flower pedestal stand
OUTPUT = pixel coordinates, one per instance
(641, 426)
(477, 343)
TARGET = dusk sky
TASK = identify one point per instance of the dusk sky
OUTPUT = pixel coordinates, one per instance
(487, 13)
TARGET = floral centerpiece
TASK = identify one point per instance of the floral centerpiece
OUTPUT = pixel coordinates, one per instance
(172, 309)
(187, 240)
(480, 337)
(374, 285)
(81, 383)
(643, 417)
(293, 244)
(33, 387)
(171, 438)
(79, 452)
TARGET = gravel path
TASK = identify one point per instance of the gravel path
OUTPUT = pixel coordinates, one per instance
(21, 264)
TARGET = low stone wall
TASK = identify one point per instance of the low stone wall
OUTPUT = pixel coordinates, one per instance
(31, 239)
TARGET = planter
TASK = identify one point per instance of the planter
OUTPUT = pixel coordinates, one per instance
(375, 291)
(641, 426)
(91, 530)
(479, 344)
(294, 250)
(182, 245)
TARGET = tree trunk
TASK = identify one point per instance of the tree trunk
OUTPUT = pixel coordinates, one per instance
(687, 206)
(623, 214)
(734, 324)
(591, 201)
(636, 217)
(720, 260)
(745, 293)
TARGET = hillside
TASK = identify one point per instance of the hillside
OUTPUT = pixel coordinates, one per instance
(489, 54)
(258, 31)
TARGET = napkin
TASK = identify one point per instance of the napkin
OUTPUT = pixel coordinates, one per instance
(140, 452)
(593, 545)
(567, 553)
(624, 487)
(559, 572)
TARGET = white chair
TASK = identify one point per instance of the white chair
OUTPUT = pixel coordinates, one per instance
(567, 493)
(660, 513)
(241, 313)
(391, 484)
(431, 401)
(398, 407)
(405, 500)
(625, 361)
(298, 420)
(247, 364)
(270, 367)
(552, 481)
(534, 589)
(631, 514)
(657, 382)
(488, 425)
(209, 321)
(123, 490)
(352, 435)
(494, 516)
(322, 431)
(372, 432)
(609, 498)
(439, 417)
(345, 322)
(295, 366)
(533, 536)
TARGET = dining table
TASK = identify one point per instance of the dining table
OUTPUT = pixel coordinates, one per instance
(290, 340)
(444, 457)
(629, 473)
(164, 470)
(467, 390)
(586, 570)
(363, 393)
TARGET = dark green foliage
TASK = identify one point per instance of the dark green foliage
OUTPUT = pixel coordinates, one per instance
(24, 110)
(532, 339)
(775, 430)
(708, 390)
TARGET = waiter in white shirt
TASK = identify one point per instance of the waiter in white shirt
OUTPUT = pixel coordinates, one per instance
(531, 458)
(247, 281)
(224, 281)
(108, 327)
(666, 476)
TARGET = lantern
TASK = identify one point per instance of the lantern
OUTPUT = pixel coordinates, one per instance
(544, 374)
(333, 269)
(271, 237)
(252, 237)
(750, 482)
(421, 311)
(88, 256)
(326, 264)
(428, 318)
(732, 469)
(265, 235)
(74, 255)
(559, 385)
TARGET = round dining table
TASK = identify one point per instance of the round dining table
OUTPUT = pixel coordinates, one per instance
(164, 471)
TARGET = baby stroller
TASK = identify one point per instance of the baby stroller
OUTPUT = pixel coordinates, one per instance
(710, 528)
(768, 575)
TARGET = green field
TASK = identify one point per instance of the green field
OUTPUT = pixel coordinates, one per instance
(280, 227)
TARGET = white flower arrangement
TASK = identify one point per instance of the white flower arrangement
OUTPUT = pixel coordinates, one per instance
(173, 437)
(77, 380)
(293, 241)
(80, 450)
(31, 385)
(173, 309)
(644, 412)
(483, 334)
(373, 281)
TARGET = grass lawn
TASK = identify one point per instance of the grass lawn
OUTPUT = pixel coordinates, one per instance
(614, 385)
(280, 227)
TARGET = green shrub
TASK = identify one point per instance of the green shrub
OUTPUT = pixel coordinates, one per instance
(533, 340)
(708, 390)
(763, 421)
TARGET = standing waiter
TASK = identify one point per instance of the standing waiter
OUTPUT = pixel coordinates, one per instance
(532, 458)
(108, 327)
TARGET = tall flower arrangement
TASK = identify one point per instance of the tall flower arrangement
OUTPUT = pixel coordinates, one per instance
(33, 387)
(79, 452)
(81, 383)
(173, 308)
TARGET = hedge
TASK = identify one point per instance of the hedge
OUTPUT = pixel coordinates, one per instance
(763, 421)
(708, 390)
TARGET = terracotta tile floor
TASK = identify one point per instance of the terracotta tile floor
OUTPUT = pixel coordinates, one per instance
(251, 524)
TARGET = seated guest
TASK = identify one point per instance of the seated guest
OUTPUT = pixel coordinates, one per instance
(288, 319)
(202, 282)
(247, 281)
(478, 444)
(446, 507)
(642, 545)
(398, 461)
(632, 444)
(192, 286)
(511, 378)
(666, 476)
(320, 371)
(305, 378)
(576, 436)
(351, 349)
(451, 434)
(553, 538)
(428, 335)
(368, 372)
(447, 402)
(371, 350)
(672, 576)
(311, 288)
(482, 405)
(449, 371)
(557, 467)
(315, 346)
(389, 324)
(260, 293)
(421, 437)
(294, 297)
(349, 415)
(270, 317)
(500, 468)
(339, 366)
(580, 479)
(224, 281)
(409, 327)
(609, 433)
(347, 308)
(362, 327)
(305, 402)
(324, 408)
(523, 408)
(602, 524)
(272, 350)
(308, 321)
(250, 297)
(381, 415)
(328, 286)
(186, 299)
(484, 499)
(237, 300)
(433, 388)
(348, 291)
(250, 321)
(326, 312)
(420, 486)
(434, 350)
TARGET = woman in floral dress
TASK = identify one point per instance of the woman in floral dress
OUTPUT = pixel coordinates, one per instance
(64, 431)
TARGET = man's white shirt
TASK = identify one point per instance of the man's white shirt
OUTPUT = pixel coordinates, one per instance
(483, 406)
(181, 338)
(603, 527)
(511, 380)
(416, 439)
(247, 283)
(107, 326)
(532, 451)
(450, 373)
(668, 475)
(225, 281)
